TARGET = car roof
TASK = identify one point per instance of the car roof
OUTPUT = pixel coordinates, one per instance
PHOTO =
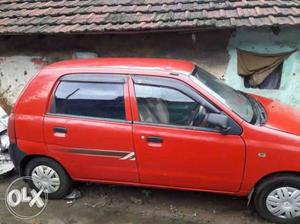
(169, 65)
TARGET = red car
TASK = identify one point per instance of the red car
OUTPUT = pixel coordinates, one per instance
(156, 123)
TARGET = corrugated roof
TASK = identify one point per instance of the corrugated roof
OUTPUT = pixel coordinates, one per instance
(79, 16)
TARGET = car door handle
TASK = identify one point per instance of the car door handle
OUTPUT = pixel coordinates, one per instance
(154, 139)
(62, 130)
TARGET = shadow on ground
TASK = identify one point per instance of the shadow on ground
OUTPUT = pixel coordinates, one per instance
(109, 204)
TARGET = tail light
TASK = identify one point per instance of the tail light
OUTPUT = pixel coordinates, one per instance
(11, 129)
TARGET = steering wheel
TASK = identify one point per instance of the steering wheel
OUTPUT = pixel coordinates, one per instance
(198, 115)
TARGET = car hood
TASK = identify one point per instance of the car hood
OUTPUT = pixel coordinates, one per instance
(280, 116)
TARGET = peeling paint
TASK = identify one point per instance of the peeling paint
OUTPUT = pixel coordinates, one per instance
(22, 56)
(19, 62)
(38, 61)
(15, 72)
(2, 59)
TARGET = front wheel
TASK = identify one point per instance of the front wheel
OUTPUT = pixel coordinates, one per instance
(277, 199)
(50, 175)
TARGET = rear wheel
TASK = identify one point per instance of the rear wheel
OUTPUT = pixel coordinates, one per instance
(50, 175)
(277, 199)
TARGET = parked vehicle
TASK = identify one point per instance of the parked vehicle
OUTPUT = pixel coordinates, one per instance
(156, 123)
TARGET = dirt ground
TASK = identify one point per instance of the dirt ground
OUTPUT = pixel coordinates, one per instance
(109, 204)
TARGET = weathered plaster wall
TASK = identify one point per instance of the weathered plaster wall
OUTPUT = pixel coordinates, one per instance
(265, 41)
(22, 56)
(15, 72)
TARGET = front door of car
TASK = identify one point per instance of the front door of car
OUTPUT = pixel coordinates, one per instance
(175, 145)
(89, 129)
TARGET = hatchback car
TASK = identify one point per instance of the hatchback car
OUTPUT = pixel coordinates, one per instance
(156, 123)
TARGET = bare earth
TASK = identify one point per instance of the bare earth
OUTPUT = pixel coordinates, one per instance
(107, 204)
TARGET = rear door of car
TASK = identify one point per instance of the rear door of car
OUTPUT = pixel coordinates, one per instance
(88, 127)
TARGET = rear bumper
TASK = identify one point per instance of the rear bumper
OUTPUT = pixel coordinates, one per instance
(16, 155)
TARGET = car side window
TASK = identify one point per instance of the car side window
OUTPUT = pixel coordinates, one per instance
(165, 105)
(92, 99)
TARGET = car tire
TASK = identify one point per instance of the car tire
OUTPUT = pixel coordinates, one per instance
(276, 197)
(49, 174)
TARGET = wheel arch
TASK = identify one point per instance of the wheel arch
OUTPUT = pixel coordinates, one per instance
(266, 177)
(28, 158)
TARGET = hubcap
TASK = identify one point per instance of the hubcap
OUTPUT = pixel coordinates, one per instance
(284, 202)
(45, 177)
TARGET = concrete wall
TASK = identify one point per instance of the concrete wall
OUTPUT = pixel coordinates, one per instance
(265, 41)
(22, 56)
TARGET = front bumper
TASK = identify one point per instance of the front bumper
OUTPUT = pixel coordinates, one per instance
(16, 155)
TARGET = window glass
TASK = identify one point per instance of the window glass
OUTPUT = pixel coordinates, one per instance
(101, 100)
(232, 98)
(157, 104)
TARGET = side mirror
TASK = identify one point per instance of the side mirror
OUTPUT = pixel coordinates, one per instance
(219, 120)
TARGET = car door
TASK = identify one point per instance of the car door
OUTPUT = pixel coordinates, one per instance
(173, 148)
(89, 130)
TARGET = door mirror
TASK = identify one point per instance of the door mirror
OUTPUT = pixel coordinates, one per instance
(219, 120)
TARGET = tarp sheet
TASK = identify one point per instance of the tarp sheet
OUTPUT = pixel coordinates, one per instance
(257, 67)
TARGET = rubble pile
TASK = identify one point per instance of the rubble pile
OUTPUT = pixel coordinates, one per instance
(6, 165)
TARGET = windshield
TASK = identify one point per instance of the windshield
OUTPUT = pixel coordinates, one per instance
(232, 98)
